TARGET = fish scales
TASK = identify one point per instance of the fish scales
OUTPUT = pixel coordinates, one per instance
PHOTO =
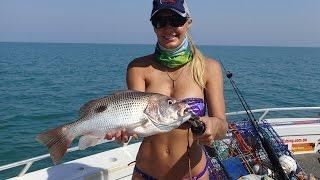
(118, 114)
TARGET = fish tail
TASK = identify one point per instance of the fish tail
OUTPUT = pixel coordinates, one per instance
(57, 141)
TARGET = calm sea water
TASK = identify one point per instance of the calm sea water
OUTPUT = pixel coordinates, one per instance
(43, 85)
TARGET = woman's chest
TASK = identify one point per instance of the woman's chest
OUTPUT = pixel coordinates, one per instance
(175, 84)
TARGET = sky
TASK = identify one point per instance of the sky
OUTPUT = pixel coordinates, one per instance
(215, 22)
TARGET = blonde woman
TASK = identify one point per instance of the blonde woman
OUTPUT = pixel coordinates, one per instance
(177, 69)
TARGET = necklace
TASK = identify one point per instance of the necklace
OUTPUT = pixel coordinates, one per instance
(174, 80)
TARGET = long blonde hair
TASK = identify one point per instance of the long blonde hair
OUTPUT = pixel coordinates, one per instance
(197, 65)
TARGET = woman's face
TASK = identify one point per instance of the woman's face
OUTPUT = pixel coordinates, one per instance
(168, 36)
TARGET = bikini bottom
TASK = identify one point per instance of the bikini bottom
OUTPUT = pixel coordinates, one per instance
(145, 176)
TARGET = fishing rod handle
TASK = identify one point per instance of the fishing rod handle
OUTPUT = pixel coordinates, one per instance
(198, 128)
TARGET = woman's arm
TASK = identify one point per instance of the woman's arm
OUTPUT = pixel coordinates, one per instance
(135, 76)
(216, 123)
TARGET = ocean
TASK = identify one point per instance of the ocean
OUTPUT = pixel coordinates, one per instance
(43, 85)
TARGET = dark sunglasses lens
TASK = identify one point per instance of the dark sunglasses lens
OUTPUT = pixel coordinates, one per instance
(159, 22)
(174, 21)
(178, 21)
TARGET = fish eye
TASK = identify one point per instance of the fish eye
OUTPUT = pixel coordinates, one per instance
(170, 102)
(101, 109)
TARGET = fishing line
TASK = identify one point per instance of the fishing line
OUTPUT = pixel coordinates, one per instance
(263, 141)
(238, 92)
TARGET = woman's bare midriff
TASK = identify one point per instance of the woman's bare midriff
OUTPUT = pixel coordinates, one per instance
(169, 152)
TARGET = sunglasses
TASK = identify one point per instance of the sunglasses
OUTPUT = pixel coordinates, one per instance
(162, 21)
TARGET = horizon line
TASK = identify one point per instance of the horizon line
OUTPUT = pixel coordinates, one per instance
(199, 44)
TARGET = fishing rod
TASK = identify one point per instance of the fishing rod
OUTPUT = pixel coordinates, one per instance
(263, 140)
(197, 126)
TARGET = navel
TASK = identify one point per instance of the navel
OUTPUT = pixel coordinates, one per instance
(168, 151)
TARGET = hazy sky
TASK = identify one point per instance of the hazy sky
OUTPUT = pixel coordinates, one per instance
(216, 22)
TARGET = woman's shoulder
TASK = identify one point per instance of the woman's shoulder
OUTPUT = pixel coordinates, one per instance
(212, 64)
(213, 70)
(143, 61)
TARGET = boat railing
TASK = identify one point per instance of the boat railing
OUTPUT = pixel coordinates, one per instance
(267, 110)
(29, 162)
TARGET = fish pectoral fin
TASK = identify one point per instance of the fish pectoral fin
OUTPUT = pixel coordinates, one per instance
(140, 123)
(88, 141)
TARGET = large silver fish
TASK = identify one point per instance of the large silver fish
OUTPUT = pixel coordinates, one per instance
(137, 112)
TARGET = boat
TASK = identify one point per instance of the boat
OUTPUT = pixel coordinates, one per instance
(300, 135)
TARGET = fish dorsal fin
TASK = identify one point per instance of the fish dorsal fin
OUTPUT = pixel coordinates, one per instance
(118, 92)
(90, 106)
(85, 108)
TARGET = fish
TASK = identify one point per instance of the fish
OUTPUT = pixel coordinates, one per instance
(140, 113)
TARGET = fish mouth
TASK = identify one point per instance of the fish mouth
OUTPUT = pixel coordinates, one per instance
(183, 109)
(185, 113)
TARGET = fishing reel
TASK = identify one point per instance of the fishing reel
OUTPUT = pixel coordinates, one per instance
(197, 126)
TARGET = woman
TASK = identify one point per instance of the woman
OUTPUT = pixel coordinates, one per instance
(177, 69)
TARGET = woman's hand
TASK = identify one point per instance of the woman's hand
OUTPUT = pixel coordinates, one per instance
(121, 137)
(209, 135)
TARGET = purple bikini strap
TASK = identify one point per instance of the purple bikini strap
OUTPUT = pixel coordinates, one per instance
(201, 173)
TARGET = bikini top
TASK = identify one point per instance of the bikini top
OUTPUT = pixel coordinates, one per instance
(197, 106)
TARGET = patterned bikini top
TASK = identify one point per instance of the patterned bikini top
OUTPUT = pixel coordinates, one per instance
(198, 106)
